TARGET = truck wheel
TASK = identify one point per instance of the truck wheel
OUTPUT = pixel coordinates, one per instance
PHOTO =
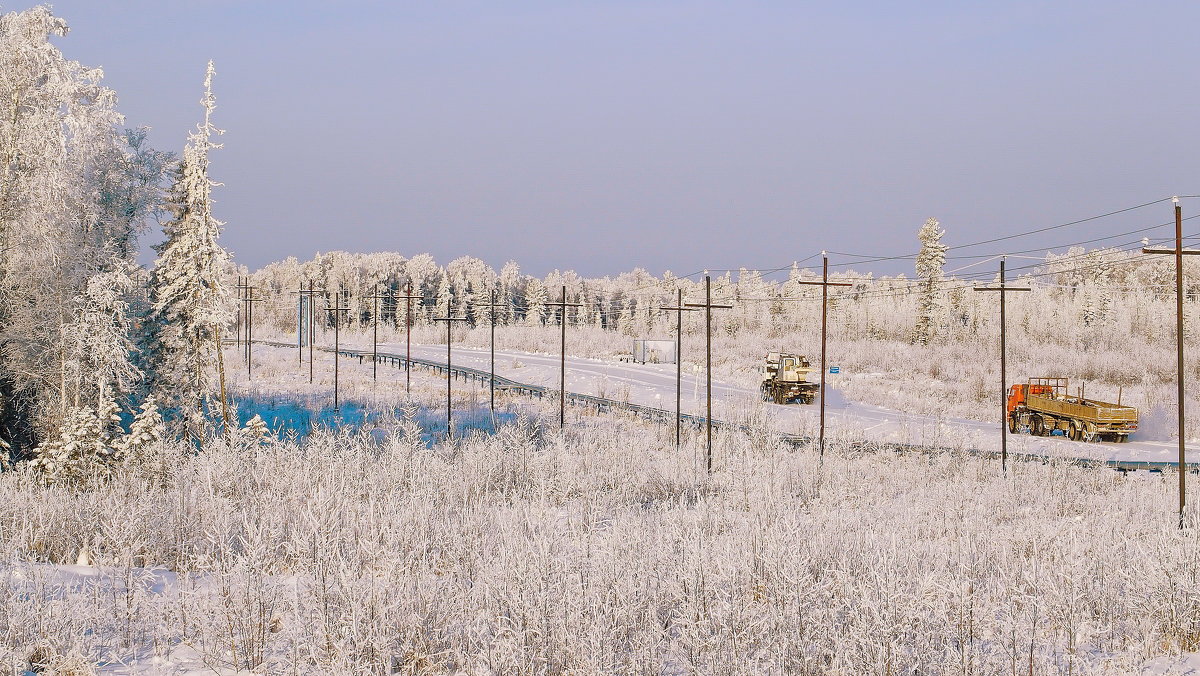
(1036, 427)
(1073, 433)
(1088, 433)
(1013, 425)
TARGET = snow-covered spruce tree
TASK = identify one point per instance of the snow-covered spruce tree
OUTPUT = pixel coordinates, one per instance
(74, 454)
(146, 429)
(445, 297)
(929, 270)
(189, 296)
(74, 191)
(535, 302)
(510, 279)
(256, 431)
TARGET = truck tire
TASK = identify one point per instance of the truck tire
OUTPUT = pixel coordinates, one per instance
(1037, 427)
(1074, 434)
(1013, 425)
(1088, 433)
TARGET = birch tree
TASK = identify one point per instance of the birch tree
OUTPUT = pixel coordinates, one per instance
(74, 192)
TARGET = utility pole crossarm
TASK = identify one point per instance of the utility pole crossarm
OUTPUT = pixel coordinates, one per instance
(1172, 252)
(816, 283)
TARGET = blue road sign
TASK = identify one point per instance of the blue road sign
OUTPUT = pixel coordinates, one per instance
(835, 369)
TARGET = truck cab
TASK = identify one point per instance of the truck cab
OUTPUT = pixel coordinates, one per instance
(1018, 394)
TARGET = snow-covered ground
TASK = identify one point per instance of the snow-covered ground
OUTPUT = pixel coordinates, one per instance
(598, 549)
(654, 385)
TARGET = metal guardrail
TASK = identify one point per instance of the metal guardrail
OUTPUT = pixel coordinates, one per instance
(650, 412)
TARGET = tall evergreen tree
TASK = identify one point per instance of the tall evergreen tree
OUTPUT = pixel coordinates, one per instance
(189, 295)
(929, 270)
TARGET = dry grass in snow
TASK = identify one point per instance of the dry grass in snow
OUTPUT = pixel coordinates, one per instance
(601, 550)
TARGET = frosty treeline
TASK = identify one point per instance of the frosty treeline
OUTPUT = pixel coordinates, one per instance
(1079, 296)
(87, 339)
(1104, 317)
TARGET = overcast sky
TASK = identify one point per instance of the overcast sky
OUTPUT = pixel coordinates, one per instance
(608, 134)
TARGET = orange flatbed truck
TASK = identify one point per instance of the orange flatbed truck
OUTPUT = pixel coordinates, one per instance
(1043, 405)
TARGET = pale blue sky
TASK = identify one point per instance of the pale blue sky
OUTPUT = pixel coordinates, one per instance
(600, 136)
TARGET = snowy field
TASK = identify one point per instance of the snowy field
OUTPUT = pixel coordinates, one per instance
(601, 549)
(654, 385)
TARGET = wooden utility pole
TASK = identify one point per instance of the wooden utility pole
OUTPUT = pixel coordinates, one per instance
(449, 407)
(337, 346)
(562, 372)
(375, 331)
(408, 297)
(250, 301)
(679, 309)
(708, 307)
(824, 284)
(241, 302)
(244, 289)
(1179, 252)
(1003, 290)
(306, 317)
(492, 307)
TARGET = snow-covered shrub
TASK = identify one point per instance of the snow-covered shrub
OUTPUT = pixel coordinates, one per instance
(82, 449)
(257, 431)
(601, 549)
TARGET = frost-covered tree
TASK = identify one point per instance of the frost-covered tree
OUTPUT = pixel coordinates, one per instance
(98, 342)
(146, 429)
(188, 290)
(510, 278)
(535, 302)
(1097, 299)
(74, 191)
(445, 297)
(257, 431)
(929, 271)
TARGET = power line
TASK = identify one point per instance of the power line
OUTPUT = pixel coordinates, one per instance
(1013, 236)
